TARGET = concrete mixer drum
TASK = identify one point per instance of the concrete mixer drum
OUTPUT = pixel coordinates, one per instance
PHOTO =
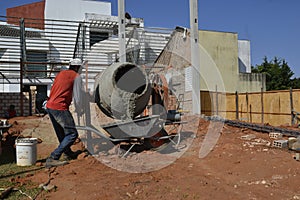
(122, 91)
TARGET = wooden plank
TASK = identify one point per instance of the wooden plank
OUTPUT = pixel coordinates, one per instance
(236, 105)
(292, 106)
(262, 105)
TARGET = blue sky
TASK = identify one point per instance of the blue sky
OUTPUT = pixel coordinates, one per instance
(272, 26)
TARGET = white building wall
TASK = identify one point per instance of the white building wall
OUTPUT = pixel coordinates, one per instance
(75, 10)
(244, 56)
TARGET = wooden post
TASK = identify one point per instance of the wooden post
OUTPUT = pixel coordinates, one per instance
(23, 66)
(247, 104)
(250, 113)
(236, 105)
(262, 105)
(292, 107)
(21, 87)
(217, 101)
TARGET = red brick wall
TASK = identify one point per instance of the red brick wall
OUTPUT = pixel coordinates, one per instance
(33, 11)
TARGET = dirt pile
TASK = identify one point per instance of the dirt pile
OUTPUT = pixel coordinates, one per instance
(241, 165)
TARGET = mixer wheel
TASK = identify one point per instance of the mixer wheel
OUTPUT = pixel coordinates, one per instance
(155, 142)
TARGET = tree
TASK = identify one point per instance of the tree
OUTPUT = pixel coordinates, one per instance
(278, 74)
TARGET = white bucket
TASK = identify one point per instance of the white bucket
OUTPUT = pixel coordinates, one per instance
(26, 152)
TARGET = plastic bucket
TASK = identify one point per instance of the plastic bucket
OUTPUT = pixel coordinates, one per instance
(26, 152)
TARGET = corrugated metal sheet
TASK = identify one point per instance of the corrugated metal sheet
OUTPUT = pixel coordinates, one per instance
(61, 40)
(14, 31)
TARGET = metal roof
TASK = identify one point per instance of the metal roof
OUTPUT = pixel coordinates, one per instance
(14, 31)
(110, 22)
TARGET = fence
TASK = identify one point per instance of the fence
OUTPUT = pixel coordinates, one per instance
(272, 107)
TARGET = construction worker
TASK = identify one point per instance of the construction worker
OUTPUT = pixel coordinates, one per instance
(11, 112)
(65, 83)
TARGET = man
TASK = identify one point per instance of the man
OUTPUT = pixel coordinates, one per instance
(11, 112)
(58, 109)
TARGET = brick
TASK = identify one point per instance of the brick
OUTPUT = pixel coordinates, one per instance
(280, 143)
(274, 135)
(248, 137)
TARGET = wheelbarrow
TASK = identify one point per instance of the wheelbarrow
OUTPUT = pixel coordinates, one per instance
(147, 131)
(4, 128)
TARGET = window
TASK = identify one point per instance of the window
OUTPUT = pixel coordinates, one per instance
(36, 56)
(96, 36)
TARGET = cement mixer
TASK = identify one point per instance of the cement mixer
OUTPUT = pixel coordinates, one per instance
(124, 92)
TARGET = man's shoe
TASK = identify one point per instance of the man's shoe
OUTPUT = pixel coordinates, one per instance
(71, 156)
(65, 157)
(50, 162)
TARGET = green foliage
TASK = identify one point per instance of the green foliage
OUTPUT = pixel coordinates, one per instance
(12, 175)
(278, 74)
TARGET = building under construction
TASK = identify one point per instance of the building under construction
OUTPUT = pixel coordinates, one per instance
(34, 46)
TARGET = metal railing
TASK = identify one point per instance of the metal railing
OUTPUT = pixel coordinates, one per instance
(46, 46)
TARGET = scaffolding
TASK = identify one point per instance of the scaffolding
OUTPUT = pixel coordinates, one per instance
(33, 51)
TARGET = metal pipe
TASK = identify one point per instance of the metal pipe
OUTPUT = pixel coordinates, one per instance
(256, 127)
(21, 87)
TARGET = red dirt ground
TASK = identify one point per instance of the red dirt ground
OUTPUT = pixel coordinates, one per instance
(235, 168)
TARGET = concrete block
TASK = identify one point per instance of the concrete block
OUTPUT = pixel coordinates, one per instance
(274, 135)
(248, 137)
(296, 146)
(280, 143)
(291, 141)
